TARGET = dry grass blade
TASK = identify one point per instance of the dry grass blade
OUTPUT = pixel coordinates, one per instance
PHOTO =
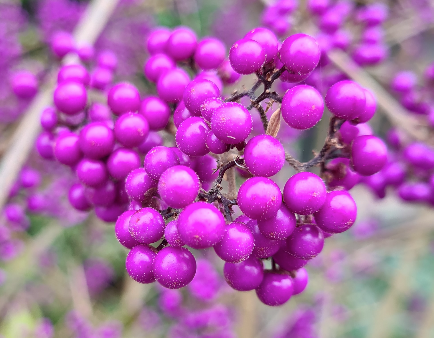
(274, 123)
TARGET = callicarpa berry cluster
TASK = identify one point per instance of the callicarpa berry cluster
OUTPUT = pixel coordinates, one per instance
(166, 194)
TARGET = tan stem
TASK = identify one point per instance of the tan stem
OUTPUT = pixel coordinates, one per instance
(22, 141)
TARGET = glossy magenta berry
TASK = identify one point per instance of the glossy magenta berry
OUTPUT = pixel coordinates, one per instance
(259, 198)
(264, 156)
(237, 243)
(78, 199)
(264, 247)
(24, 84)
(368, 155)
(306, 241)
(244, 276)
(62, 43)
(75, 73)
(346, 100)
(231, 123)
(139, 185)
(227, 73)
(246, 56)
(67, 149)
(196, 92)
(209, 106)
(157, 40)
(172, 236)
(174, 268)
(121, 230)
(121, 162)
(267, 39)
(181, 44)
(178, 186)
(156, 112)
(131, 129)
(91, 173)
(280, 226)
(103, 195)
(201, 225)
(302, 107)
(70, 97)
(171, 85)
(210, 53)
(153, 140)
(275, 289)
(300, 281)
(191, 137)
(157, 65)
(300, 53)
(123, 98)
(101, 78)
(49, 119)
(146, 226)
(107, 59)
(140, 264)
(287, 261)
(158, 159)
(96, 140)
(338, 213)
(304, 193)
(370, 107)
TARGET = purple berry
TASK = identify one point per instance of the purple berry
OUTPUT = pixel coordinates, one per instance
(62, 43)
(67, 149)
(215, 145)
(275, 289)
(157, 40)
(209, 106)
(368, 155)
(370, 107)
(196, 92)
(174, 268)
(227, 73)
(70, 97)
(107, 59)
(157, 65)
(206, 168)
(99, 112)
(24, 84)
(123, 98)
(171, 234)
(146, 226)
(287, 261)
(101, 78)
(171, 85)
(91, 173)
(210, 53)
(264, 247)
(346, 100)
(158, 159)
(109, 214)
(156, 112)
(259, 198)
(302, 107)
(236, 245)
(264, 156)
(306, 242)
(191, 137)
(44, 145)
(140, 264)
(131, 130)
(153, 140)
(96, 140)
(201, 225)
(121, 162)
(49, 119)
(244, 276)
(300, 53)
(266, 39)
(338, 213)
(178, 186)
(139, 185)
(280, 226)
(103, 195)
(78, 199)
(74, 73)
(300, 281)
(246, 56)
(304, 193)
(121, 230)
(342, 174)
(181, 44)
(231, 123)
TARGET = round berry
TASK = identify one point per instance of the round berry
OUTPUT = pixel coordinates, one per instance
(171, 85)
(227, 73)
(109, 214)
(264, 247)
(246, 56)
(121, 162)
(62, 43)
(280, 226)
(304, 193)
(266, 39)
(368, 155)
(107, 59)
(244, 276)
(171, 234)
(300, 281)
(24, 84)
(75, 73)
(306, 241)
(302, 107)
(236, 245)
(370, 107)
(70, 97)
(191, 137)
(210, 53)
(178, 186)
(231, 123)
(140, 264)
(153, 140)
(67, 149)
(215, 145)
(146, 226)
(139, 185)
(49, 119)
(275, 289)
(92, 173)
(338, 213)
(287, 261)
(156, 112)
(131, 130)
(181, 44)
(78, 199)
(99, 112)
(264, 156)
(121, 230)
(174, 268)
(96, 140)
(157, 40)
(103, 195)
(300, 53)
(206, 168)
(201, 225)
(157, 65)
(101, 78)
(259, 198)
(158, 159)
(197, 92)
(123, 98)
(346, 100)
(209, 106)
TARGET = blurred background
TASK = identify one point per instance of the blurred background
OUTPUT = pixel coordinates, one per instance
(62, 272)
